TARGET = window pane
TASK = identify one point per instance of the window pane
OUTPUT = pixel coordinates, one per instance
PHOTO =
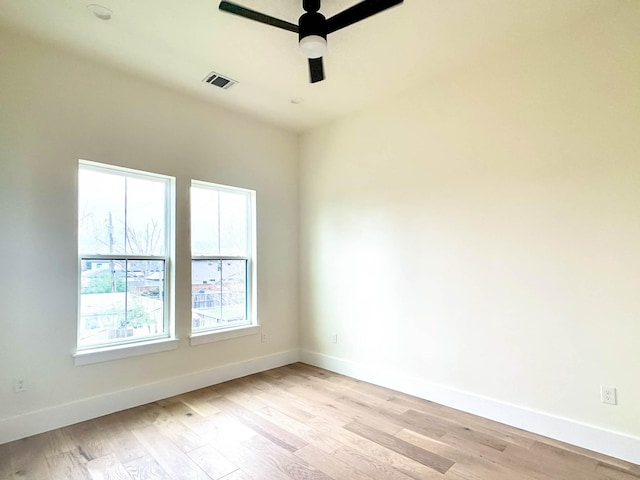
(206, 294)
(219, 293)
(145, 297)
(102, 302)
(204, 222)
(233, 224)
(145, 216)
(121, 301)
(234, 291)
(101, 211)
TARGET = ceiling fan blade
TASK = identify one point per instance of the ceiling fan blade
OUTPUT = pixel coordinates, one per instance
(316, 70)
(358, 12)
(257, 16)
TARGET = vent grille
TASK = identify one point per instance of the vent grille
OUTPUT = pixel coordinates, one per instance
(219, 81)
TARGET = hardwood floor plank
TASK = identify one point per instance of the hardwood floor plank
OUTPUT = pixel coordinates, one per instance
(146, 468)
(301, 430)
(222, 428)
(414, 403)
(254, 465)
(428, 459)
(440, 447)
(289, 404)
(212, 462)
(340, 410)
(426, 421)
(375, 467)
(181, 435)
(119, 439)
(89, 441)
(473, 448)
(35, 468)
(381, 457)
(329, 464)
(168, 455)
(400, 420)
(142, 416)
(563, 456)
(59, 441)
(498, 430)
(27, 458)
(284, 380)
(238, 475)
(453, 475)
(544, 464)
(5, 460)
(614, 472)
(487, 471)
(320, 406)
(467, 461)
(176, 407)
(252, 385)
(261, 425)
(283, 460)
(107, 468)
(68, 465)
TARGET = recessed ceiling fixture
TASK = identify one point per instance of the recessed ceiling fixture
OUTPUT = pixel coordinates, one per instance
(313, 27)
(103, 13)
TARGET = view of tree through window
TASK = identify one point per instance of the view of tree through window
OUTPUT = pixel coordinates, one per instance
(122, 241)
(220, 248)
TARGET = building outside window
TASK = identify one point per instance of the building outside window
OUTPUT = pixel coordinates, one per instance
(124, 244)
(223, 261)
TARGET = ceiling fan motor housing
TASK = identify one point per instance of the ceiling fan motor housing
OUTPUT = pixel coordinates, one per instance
(312, 23)
(313, 34)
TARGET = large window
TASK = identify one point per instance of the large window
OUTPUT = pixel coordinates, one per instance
(124, 227)
(222, 263)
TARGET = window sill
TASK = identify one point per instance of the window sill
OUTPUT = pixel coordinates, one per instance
(218, 335)
(97, 355)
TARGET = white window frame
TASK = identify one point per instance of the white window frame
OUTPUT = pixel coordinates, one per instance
(251, 326)
(128, 347)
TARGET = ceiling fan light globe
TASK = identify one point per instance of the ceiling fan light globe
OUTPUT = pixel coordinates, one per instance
(313, 46)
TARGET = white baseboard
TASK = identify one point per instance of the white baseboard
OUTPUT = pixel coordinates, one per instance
(614, 444)
(32, 423)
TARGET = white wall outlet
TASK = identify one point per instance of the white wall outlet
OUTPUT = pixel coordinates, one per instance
(334, 338)
(608, 395)
(19, 385)
(263, 338)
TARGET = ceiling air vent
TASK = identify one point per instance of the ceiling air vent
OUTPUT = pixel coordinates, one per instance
(219, 81)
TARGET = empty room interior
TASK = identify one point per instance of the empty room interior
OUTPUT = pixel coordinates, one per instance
(400, 240)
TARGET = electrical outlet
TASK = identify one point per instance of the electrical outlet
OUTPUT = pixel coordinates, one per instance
(334, 338)
(263, 338)
(19, 385)
(608, 395)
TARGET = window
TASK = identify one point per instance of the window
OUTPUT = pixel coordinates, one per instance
(124, 244)
(222, 262)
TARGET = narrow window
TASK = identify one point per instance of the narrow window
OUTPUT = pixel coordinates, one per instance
(124, 233)
(222, 265)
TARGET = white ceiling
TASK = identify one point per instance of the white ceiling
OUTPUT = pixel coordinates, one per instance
(178, 42)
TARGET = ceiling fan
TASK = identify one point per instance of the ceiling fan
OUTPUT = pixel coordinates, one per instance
(313, 27)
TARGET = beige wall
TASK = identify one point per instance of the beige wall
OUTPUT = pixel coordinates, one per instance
(55, 109)
(483, 233)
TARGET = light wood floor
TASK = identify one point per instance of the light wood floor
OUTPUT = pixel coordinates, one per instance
(299, 422)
